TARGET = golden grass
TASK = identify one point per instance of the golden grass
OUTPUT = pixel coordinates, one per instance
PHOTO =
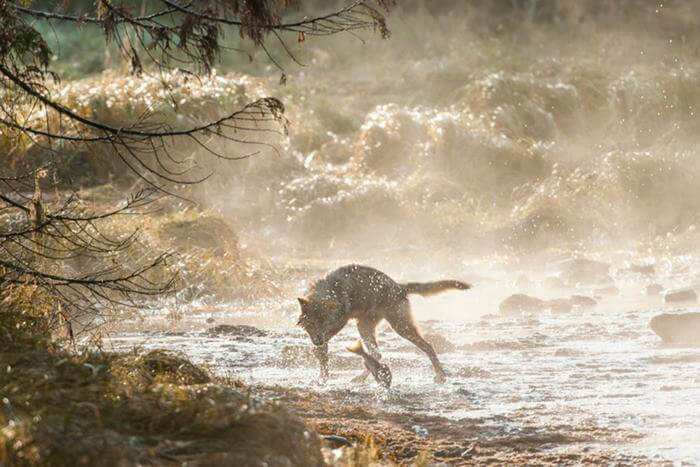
(207, 259)
(95, 408)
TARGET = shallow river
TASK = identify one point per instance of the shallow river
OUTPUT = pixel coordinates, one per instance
(596, 377)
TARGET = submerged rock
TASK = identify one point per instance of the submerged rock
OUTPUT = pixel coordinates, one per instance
(440, 343)
(677, 327)
(238, 330)
(654, 289)
(519, 303)
(472, 372)
(679, 296)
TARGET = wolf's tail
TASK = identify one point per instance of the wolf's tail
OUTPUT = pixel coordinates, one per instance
(356, 348)
(431, 288)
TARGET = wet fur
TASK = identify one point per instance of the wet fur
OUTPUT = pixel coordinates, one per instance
(369, 296)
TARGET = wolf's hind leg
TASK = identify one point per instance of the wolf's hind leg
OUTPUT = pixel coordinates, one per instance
(369, 338)
(402, 322)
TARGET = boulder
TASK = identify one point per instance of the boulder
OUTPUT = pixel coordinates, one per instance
(582, 301)
(681, 296)
(519, 303)
(560, 305)
(677, 327)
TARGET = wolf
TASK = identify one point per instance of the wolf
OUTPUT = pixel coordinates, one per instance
(368, 296)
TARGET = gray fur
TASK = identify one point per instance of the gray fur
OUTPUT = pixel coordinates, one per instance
(367, 295)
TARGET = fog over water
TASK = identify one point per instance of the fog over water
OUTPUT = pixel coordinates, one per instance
(551, 152)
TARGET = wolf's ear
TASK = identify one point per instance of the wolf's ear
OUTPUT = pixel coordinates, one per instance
(303, 302)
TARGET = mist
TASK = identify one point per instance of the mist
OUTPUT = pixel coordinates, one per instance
(521, 176)
(543, 152)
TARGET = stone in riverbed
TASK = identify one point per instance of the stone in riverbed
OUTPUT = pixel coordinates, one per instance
(679, 296)
(238, 330)
(519, 303)
(677, 327)
(582, 301)
(560, 305)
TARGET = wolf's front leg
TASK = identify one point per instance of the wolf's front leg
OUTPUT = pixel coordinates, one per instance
(321, 352)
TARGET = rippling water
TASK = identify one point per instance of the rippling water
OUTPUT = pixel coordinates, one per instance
(595, 377)
(464, 138)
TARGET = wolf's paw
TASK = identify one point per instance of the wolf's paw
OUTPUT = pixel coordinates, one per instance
(440, 378)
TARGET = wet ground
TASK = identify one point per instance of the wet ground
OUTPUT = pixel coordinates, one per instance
(589, 385)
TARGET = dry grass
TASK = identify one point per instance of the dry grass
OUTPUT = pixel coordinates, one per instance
(95, 408)
(208, 259)
(174, 99)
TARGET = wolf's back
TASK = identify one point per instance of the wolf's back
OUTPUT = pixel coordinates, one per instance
(431, 288)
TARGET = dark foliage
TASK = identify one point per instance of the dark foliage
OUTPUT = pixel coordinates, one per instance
(56, 243)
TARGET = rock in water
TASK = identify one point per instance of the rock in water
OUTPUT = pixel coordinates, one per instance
(519, 303)
(582, 301)
(237, 330)
(560, 305)
(654, 289)
(439, 343)
(677, 327)
(687, 295)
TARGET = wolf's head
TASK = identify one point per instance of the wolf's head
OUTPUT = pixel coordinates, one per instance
(321, 318)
